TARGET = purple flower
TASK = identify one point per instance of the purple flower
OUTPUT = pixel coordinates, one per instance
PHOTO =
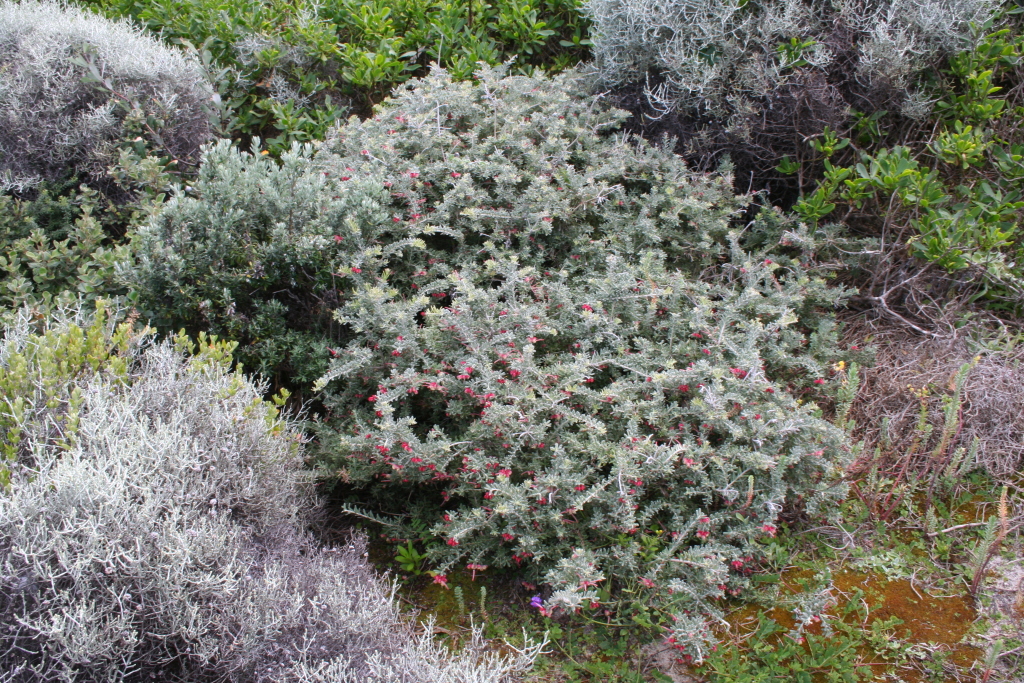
(536, 601)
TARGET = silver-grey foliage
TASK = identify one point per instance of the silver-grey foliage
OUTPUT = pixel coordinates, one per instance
(73, 83)
(719, 55)
(163, 540)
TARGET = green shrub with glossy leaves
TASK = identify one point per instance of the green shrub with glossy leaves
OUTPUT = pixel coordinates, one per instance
(288, 71)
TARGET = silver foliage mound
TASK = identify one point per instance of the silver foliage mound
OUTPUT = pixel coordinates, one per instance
(73, 84)
(162, 539)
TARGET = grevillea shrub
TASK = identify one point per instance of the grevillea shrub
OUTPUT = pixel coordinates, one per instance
(75, 85)
(468, 236)
(261, 252)
(635, 424)
(151, 528)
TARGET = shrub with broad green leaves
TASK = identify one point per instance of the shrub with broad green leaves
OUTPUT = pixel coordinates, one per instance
(289, 71)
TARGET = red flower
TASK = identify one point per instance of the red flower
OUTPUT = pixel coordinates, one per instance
(441, 579)
(338, 238)
(819, 381)
(357, 270)
(345, 177)
(769, 529)
(703, 534)
(587, 307)
(455, 174)
(452, 542)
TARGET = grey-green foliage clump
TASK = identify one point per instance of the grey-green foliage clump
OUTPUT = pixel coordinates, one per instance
(567, 352)
(151, 529)
(445, 173)
(723, 55)
(73, 84)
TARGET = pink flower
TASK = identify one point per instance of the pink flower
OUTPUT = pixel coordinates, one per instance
(452, 542)
(505, 472)
(647, 582)
(587, 307)
(338, 238)
(357, 270)
(703, 533)
(455, 174)
(819, 381)
(769, 529)
(441, 579)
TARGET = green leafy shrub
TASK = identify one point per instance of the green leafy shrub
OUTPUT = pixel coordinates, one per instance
(76, 85)
(288, 71)
(951, 194)
(152, 528)
(247, 252)
(54, 251)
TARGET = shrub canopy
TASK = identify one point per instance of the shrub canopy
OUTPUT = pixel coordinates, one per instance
(554, 342)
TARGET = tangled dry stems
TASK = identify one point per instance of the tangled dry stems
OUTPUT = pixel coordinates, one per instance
(906, 361)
